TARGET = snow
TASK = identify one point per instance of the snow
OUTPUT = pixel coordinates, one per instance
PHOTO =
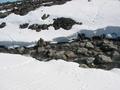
(25, 73)
(95, 15)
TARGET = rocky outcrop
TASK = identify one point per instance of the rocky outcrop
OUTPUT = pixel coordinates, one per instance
(65, 23)
(90, 56)
(22, 7)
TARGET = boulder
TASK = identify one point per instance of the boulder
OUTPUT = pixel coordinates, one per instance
(41, 43)
(82, 51)
(101, 59)
(70, 54)
(83, 66)
(45, 16)
(23, 26)
(89, 45)
(60, 55)
(2, 25)
(65, 23)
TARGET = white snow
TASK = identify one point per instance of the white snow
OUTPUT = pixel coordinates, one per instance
(24, 73)
(97, 14)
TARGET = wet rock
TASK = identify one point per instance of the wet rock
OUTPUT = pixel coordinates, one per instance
(23, 26)
(101, 59)
(2, 25)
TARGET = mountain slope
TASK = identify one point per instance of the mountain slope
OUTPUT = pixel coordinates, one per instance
(97, 14)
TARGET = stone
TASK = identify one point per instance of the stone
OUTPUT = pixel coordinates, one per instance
(101, 59)
(2, 25)
(83, 66)
(89, 45)
(90, 60)
(60, 55)
(45, 16)
(40, 49)
(23, 26)
(21, 50)
(70, 54)
(115, 56)
(65, 23)
(51, 53)
(3, 15)
(82, 51)
(41, 43)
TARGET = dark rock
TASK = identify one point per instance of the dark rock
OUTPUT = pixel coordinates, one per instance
(108, 46)
(41, 43)
(115, 56)
(23, 26)
(65, 23)
(45, 16)
(34, 27)
(21, 50)
(3, 15)
(2, 25)
(101, 59)
(82, 51)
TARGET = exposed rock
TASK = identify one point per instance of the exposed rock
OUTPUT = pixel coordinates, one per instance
(38, 27)
(82, 51)
(23, 26)
(20, 50)
(45, 16)
(115, 56)
(40, 49)
(3, 15)
(70, 54)
(60, 55)
(2, 25)
(90, 60)
(34, 27)
(101, 59)
(41, 43)
(65, 23)
(83, 66)
(89, 45)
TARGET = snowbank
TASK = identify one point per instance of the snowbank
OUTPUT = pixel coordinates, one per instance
(24, 73)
